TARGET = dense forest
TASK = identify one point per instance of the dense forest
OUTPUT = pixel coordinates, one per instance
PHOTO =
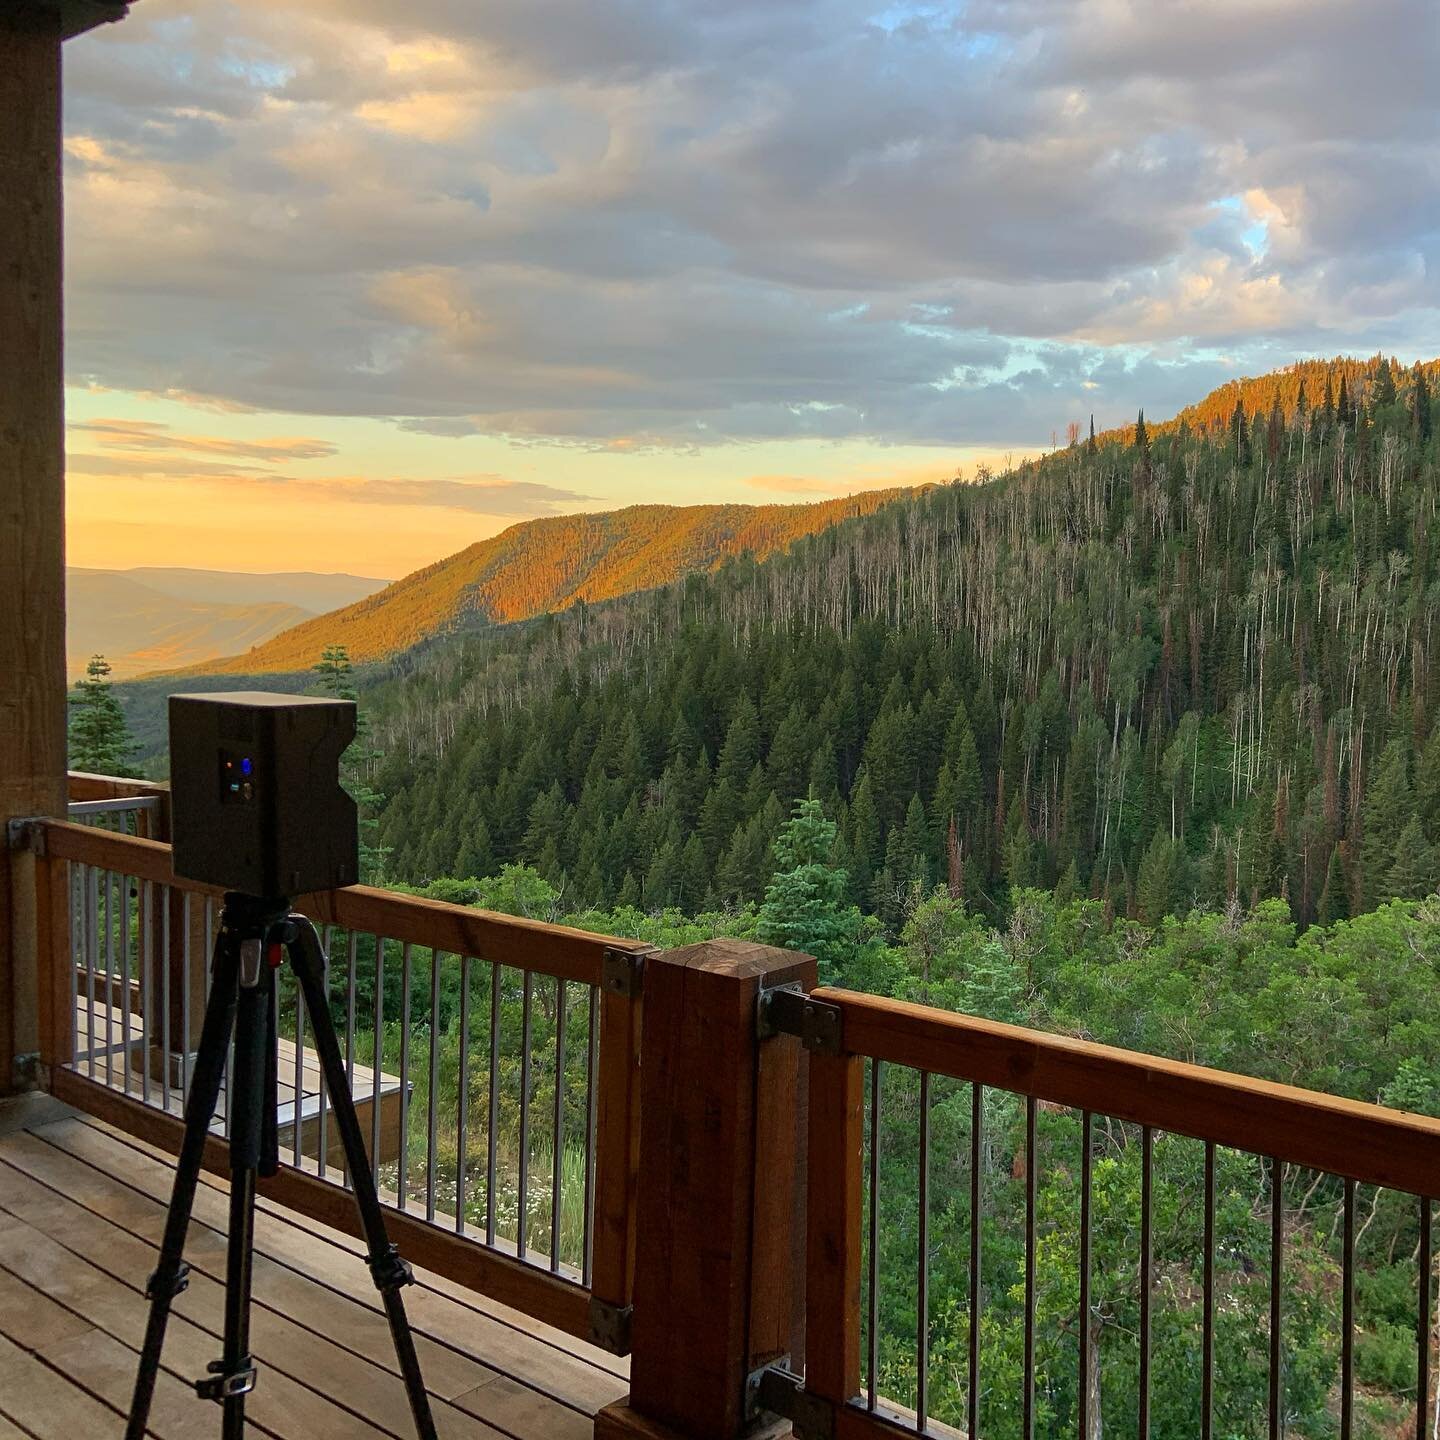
(540, 566)
(1190, 667)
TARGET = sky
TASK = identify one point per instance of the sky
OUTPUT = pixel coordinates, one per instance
(355, 283)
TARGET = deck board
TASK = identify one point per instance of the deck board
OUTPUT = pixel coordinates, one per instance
(457, 1310)
(81, 1209)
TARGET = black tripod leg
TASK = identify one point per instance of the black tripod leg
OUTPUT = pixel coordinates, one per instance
(387, 1269)
(235, 1372)
(170, 1275)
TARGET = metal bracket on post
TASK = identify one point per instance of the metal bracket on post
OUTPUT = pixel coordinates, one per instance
(26, 833)
(783, 1393)
(610, 1326)
(622, 971)
(788, 1010)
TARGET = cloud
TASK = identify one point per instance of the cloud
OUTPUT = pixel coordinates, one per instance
(475, 495)
(149, 436)
(685, 222)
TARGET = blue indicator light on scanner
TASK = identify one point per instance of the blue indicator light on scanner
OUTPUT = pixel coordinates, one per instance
(246, 766)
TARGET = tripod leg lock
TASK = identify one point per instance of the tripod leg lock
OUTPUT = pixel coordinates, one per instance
(170, 1285)
(225, 1384)
(389, 1271)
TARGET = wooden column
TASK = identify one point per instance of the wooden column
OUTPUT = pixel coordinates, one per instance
(32, 501)
(717, 1273)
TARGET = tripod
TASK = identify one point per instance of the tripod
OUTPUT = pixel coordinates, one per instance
(255, 937)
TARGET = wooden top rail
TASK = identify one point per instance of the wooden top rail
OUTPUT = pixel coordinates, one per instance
(84, 786)
(510, 940)
(1367, 1143)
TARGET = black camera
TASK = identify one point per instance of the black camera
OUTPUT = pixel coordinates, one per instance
(256, 800)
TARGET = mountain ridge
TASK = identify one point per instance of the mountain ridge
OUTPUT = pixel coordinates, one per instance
(546, 565)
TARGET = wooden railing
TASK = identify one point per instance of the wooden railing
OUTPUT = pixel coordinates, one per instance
(754, 1152)
(545, 1026)
(1344, 1142)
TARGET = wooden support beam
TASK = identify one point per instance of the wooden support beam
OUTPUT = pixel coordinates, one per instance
(32, 496)
(716, 1274)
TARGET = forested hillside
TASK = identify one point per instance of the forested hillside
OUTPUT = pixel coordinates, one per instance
(1192, 667)
(546, 565)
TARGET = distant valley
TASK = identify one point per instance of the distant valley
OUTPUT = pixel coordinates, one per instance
(163, 618)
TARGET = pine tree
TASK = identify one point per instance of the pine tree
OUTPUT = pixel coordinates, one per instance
(1412, 867)
(1420, 405)
(1142, 436)
(1388, 806)
(100, 740)
(1239, 433)
(1383, 392)
(1334, 903)
(805, 905)
(1155, 883)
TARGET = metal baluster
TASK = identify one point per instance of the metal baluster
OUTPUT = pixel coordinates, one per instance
(1207, 1339)
(77, 952)
(432, 1102)
(872, 1312)
(92, 952)
(298, 1108)
(1028, 1421)
(1147, 1155)
(1277, 1275)
(977, 1131)
(165, 897)
(351, 956)
(122, 884)
(1086, 1168)
(109, 982)
(147, 940)
(462, 1113)
(493, 1102)
(322, 1141)
(185, 961)
(375, 1066)
(922, 1264)
(1422, 1387)
(555, 1171)
(523, 1210)
(592, 1063)
(402, 1183)
(209, 939)
(1347, 1313)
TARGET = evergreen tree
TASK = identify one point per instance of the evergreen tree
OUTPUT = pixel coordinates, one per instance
(1334, 903)
(1412, 867)
(1155, 883)
(100, 740)
(1240, 433)
(805, 905)
(1388, 806)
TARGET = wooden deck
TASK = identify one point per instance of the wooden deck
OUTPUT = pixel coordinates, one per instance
(81, 1209)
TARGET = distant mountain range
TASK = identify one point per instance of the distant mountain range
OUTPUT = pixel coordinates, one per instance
(541, 566)
(155, 617)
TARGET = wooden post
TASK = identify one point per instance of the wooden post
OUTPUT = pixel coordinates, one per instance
(32, 499)
(833, 1227)
(716, 1269)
